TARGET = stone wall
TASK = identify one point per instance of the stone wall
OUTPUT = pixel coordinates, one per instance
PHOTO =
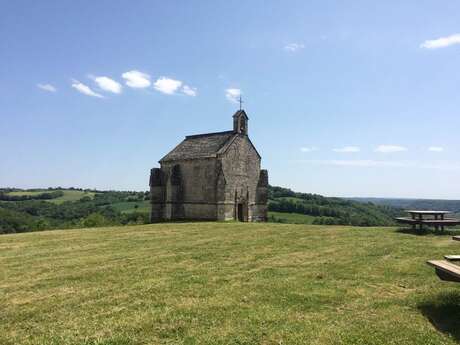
(260, 208)
(190, 189)
(157, 194)
(241, 169)
(212, 188)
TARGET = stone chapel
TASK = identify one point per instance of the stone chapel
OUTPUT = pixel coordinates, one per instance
(213, 176)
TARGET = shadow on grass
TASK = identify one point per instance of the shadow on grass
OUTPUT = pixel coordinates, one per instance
(429, 231)
(443, 311)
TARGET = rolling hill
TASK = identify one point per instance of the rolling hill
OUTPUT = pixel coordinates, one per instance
(39, 209)
(327, 210)
(57, 208)
(420, 204)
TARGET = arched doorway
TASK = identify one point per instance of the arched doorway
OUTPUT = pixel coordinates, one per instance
(241, 212)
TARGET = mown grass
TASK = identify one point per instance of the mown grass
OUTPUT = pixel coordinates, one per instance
(226, 283)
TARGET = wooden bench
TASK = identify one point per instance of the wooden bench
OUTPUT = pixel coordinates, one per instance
(445, 270)
(452, 257)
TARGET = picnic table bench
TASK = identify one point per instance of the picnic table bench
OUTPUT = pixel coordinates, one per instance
(447, 270)
(435, 218)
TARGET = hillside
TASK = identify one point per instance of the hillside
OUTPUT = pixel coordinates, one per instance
(329, 211)
(225, 283)
(31, 210)
(421, 204)
(52, 208)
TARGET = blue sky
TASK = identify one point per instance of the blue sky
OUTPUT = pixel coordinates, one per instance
(353, 98)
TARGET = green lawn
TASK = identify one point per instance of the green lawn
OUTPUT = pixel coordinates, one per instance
(292, 218)
(226, 283)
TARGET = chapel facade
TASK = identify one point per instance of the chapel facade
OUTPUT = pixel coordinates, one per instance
(213, 176)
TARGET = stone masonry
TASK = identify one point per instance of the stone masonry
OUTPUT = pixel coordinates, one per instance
(214, 176)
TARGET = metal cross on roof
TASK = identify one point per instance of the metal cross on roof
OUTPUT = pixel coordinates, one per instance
(240, 100)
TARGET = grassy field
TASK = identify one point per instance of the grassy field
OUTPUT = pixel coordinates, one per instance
(292, 218)
(69, 195)
(72, 195)
(21, 193)
(130, 206)
(226, 283)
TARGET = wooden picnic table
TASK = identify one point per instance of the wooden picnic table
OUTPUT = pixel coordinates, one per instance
(421, 213)
(428, 217)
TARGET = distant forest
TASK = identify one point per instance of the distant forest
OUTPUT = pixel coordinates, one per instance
(420, 204)
(70, 208)
(331, 211)
(64, 208)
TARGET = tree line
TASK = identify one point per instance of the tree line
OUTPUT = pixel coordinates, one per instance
(331, 211)
(33, 212)
(33, 215)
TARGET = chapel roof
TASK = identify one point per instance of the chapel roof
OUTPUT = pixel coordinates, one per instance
(200, 146)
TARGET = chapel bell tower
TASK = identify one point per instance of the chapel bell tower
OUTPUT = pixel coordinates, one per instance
(240, 122)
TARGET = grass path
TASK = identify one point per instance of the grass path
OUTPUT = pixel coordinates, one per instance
(226, 283)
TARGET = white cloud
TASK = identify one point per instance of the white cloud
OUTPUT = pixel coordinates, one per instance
(293, 47)
(442, 165)
(361, 163)
(233, 95)
(47, 87)
(347, 149)
(84, 89)
(167, 85)
(441, 42)
(136, 79)
(435, 149)
(309, 149)
(107, 84)
(390, 148)
(189, 91)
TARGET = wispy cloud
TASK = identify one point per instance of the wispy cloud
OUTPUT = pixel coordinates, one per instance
(107, 84)
(232, 95)
(435, 149)
(189, 91)
(360, 163)
(441, 42)
(443, 165)
(47, 87)
(309, 149)
(167, 85)
(390, 148)
(347, 149)
(293, 47)
(136, 79)
(85, 89)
